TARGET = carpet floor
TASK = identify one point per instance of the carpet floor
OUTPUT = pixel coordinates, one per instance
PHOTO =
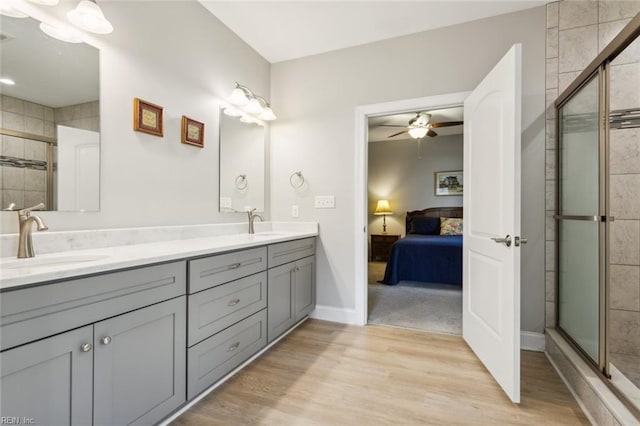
(423, 306)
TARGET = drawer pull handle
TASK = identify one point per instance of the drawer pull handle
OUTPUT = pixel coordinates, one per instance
(86, 347)
(105, 340)
(234, 302)
(235, 266)
(233, 347)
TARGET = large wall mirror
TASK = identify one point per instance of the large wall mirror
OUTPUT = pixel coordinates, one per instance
(50, 129)
(242, 158)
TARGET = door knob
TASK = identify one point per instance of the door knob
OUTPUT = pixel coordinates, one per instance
(518, 241)
(506, 240)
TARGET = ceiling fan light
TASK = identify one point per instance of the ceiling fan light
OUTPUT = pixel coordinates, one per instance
(418, 132)
(88, 16)
(60, 33)
(267, 114)
(253, 107)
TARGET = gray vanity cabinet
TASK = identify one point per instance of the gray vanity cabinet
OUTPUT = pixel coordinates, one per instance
(140, 364)
(49, 381)
(291, 287)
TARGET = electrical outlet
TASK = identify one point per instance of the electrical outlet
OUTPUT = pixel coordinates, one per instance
(294, 211)
(325, 202)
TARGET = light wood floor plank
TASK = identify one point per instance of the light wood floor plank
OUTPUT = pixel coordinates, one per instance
(325, 373)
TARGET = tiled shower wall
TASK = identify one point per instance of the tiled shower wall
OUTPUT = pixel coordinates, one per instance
(26, 186)
(576, 33)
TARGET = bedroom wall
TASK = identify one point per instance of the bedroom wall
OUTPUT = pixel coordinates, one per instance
(317, 97)
(405, 176)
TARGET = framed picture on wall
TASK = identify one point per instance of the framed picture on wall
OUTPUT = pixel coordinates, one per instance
(192, 132)
(449, 182)
(147, 117)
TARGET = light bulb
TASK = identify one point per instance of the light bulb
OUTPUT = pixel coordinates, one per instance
(247, 119)
(60, 33)
(88, 16)
(267, 114)
(232, 112)
(418, 132)
(238, 97)
(253, 107)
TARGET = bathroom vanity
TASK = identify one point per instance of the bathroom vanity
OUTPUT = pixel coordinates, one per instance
(134, 344)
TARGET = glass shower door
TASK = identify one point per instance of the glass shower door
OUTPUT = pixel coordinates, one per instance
(579, 209)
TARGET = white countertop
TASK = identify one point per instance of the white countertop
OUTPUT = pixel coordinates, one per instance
(73, 263)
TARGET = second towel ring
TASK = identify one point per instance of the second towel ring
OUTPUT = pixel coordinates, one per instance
(241, 182)
(296, 183)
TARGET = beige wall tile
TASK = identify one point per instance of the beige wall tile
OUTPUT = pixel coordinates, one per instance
(33, 110)
(12, 146)
(552, 43)
(624, 196)
(622, 78)
(13, 178)
(13, 196)
(565, 79)
(550, 134)
(31, 198)
(611, 10)
(577, 47)
(550, 98)
(49, 129)
(624, 331)
(550, 314)
(574, 14)
(629, 55)
(13, 121)
(48, 114)
(34, 126)
(550, 164)
(552, 73)
(34, 150)
(608, 30)
(550, 255)
(624, 151)
(11, 104)
(624, 242)
(550, 286)
(550, 226)
(552, 14)
(550, 192)
(35, 180)
(625, 287)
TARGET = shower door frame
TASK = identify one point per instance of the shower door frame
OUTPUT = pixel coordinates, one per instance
(600, 66)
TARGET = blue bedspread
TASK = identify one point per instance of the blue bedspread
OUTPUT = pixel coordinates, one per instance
(427, 258)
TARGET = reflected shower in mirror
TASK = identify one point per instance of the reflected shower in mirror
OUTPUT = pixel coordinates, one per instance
(242, 158)
(50, 150)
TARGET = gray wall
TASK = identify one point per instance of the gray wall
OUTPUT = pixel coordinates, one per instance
(397, 173)
(177, 55)
(318, 95)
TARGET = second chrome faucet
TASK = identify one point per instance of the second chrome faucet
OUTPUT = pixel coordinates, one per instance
(25, 242)
(252, 217)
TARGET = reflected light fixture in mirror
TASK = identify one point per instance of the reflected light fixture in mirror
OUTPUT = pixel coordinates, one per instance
(88, 16)
(61, 33)
(45, 2)
(7, 9)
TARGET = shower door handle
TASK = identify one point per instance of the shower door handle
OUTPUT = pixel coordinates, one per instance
(506, 240)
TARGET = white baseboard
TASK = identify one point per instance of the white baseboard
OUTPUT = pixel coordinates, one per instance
(531, 341)
(333, 314)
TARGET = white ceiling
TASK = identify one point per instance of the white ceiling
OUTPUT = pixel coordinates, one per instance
(283, 30)
(380, 130)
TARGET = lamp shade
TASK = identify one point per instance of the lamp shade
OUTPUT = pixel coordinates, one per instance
(382, 208)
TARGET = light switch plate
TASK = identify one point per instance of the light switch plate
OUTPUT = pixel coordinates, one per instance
(325, 202)
(294, 211)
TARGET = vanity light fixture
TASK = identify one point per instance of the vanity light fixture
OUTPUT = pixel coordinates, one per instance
(88, 16)
(61, 33)
(251, 103)
(232, 112)
(45, 2)
(7, 9)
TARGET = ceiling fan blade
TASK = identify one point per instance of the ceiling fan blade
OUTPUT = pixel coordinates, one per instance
(390, 125)
(446, 124)
(396, 134)
(431, 133)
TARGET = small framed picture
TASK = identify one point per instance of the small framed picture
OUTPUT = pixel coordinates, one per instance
(449, 183)
(192, 132)
(147, 117)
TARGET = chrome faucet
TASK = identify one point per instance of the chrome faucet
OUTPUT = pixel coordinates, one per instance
(252, 217)
(25, 242)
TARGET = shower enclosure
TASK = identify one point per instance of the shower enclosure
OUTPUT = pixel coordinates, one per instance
(598, 215)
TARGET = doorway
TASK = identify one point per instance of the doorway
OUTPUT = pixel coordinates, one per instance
(415, 178)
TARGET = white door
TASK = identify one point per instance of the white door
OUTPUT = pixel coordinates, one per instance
(491, 269)
(78, 169)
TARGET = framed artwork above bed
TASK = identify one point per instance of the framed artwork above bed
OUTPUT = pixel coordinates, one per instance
(449, 183)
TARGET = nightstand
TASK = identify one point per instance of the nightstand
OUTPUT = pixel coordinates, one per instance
(381, 245)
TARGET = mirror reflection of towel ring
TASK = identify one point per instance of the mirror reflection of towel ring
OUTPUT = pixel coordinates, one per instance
(241, 182)
(298, 181)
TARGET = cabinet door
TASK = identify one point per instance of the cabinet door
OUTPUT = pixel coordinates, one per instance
(280, 309)
(49, 381)
(140, 366)
(304, 287)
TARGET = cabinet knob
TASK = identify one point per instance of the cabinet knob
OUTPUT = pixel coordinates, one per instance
(105, 340)
(233, 302)
(235, 266)
(86, 347)
(233, 347)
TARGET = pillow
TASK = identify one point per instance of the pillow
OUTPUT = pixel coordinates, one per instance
(450, 226)
(424, 225)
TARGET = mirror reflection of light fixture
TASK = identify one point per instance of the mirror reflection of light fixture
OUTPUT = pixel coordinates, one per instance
(60, 33)
(383, 209)
(243, 97)
(45, 2)
(7, 9)
(88, 16)
(418, 132)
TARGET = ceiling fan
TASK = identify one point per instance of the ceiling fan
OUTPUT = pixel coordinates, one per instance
(420, 126)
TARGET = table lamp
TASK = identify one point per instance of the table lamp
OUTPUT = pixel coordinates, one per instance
(383, 208)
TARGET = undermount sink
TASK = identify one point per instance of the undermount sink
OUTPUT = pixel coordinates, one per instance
(42, 262)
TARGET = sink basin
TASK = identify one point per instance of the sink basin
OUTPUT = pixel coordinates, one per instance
(42, 262)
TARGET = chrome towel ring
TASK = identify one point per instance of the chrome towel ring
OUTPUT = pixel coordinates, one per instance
(296, 180)
(241, 182)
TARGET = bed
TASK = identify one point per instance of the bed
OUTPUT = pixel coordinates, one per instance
(424, 255)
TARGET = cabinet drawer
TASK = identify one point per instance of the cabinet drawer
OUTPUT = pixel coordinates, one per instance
(35, 312)
(289, 251)
(210, 360)
(217, 308)
(215, 270)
